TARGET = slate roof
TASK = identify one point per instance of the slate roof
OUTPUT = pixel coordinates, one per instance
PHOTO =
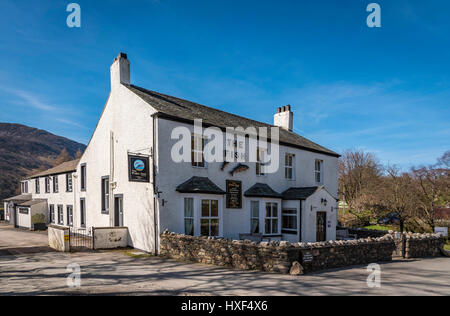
(33, 202)
(19, 198)
(199, 185)
(262, 190)
(175, 108)
(299, 193)
(65, 167)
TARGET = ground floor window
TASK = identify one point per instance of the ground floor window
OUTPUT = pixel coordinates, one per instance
(52, 214)
(209, 222)
(83, 212)
(289, 221)
(271, 220)
(69, 215)
(254, 217)
(189, 216)
(60, 215)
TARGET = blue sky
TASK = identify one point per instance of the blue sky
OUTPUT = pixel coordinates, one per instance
(384, 90)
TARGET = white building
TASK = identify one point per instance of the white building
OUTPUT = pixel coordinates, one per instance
(127, 177)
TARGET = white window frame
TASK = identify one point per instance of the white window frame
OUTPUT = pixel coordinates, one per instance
(210, 217)
(272, 218)
(69, 209)
(318, 172)
(294, 213)
(197, 151)
(260, 165)
(47, 185)
(55, 184)
(60, 209)
(289, 167)
(52, 213)
(37, 185)
(69, 182)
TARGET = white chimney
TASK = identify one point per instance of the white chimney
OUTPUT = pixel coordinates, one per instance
(284, 118)
(120, 71)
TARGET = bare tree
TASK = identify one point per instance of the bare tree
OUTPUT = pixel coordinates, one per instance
(359, 175)
(432, 188)
(396, 194)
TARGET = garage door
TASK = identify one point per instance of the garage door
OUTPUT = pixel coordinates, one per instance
(23, 218)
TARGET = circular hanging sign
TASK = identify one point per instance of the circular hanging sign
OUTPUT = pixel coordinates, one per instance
(139, 165)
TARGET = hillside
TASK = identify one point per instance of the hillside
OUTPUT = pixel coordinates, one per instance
(23, 149)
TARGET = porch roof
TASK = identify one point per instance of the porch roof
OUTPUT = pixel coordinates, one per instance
(19, 198)
(199, 185)
(33, 202)
(299, 193)
(262, 190)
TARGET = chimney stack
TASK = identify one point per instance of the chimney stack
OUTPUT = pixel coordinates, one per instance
(284, 118)
(120, 71)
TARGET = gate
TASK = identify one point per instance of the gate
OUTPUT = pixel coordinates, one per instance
(81, 239)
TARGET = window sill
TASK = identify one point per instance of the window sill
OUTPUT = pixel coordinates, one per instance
(105, 212)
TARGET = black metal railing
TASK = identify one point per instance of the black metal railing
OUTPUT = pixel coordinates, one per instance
(81, 239)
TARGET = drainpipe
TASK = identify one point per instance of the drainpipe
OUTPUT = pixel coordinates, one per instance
(155, 199)
(111, 181)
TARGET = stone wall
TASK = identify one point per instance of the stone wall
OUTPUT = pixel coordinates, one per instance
(423, 245)
(274, 256)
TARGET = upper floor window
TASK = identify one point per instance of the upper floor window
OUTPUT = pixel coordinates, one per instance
(198, 145)
(105, 194)
(271, 220)
(24, 187)
(37, 186)
(260, 154)
(83, 177)
(69, 186)
(55, 184)
(47, 185)
(319, 171)
(289, 166)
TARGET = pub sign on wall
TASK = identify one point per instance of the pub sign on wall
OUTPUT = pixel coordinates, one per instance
(138, 169)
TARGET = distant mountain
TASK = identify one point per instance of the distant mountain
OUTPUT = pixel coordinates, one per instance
(23, 149)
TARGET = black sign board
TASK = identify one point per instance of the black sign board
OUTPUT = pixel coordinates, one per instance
(234, 194)
(138, 169)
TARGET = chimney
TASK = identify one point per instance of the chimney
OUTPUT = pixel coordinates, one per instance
(120, 71)
(284, 118)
